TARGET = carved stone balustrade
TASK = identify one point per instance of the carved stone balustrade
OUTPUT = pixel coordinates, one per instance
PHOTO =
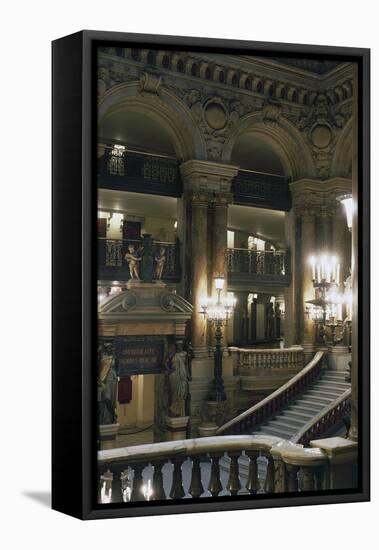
(266, 369)
(190, 468)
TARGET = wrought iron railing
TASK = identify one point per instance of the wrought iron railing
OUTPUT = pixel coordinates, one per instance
(260, 265)
(113, 266)
(330, 416)
(139, 172)
(260, 189)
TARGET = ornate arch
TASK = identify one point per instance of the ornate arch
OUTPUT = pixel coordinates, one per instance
(285, 139)
(164, 108)
(342, 158)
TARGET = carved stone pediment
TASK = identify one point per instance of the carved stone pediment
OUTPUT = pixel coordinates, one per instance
(145, 302)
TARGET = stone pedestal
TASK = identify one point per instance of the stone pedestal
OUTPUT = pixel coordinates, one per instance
(343, 456)
(108, 433)
(176, 427)
(207, 429)
(338, 358)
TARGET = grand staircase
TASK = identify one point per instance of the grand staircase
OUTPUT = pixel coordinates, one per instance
(330, 385)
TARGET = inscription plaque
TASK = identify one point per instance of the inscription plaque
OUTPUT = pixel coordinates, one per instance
(139, 354)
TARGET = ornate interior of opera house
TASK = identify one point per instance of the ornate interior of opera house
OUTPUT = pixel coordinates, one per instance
(226, 223)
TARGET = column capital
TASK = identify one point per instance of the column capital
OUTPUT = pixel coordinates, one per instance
(318, 194)
(211, 177)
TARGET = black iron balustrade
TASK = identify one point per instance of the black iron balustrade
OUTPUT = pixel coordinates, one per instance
(119, 168)
(112, 265)
(259, 266)
(262, 190)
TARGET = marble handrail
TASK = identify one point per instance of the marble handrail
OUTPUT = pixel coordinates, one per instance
(325, 419)
(267, 406)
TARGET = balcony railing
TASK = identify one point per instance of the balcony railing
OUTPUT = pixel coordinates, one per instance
(139, 172)
(262, 190)
(259, 266)
(190, 468)
(113, 266)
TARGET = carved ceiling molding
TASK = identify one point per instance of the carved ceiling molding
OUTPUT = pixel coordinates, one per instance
(217, 113)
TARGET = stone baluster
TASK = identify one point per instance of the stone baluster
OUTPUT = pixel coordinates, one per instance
(252, 481)
(292, 471)
(270, 475)
(279, 474)
(137, 492)
(158, 490)
(215, 486)
(177, 490)
(196, 488)
(117, 484)
(307, 478)
(234, 483)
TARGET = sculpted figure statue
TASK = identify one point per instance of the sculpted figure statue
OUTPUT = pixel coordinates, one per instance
(106, 386)
(160, 260)
(178, 381)
(132, 259)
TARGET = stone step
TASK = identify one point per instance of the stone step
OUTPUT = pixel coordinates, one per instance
(292, 419)
(332, 386)
(334, 375)
(278, 432)
(282, 425)
(308, 408)
(300, 413)
(313, 402)
(325, 394)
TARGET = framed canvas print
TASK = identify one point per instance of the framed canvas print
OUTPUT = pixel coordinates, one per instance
(210, 274)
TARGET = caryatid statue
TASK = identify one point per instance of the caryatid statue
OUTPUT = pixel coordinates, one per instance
(132, 259)
(178, 380)
(160, 259)
(107, 380)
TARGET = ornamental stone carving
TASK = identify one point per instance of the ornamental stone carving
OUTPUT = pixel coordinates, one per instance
(150, 83)
(322, 124)
(216, 116)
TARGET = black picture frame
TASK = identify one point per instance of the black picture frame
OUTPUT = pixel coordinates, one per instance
(74, 266)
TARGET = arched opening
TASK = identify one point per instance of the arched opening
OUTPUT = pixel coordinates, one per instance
(253, 152)
(136, 131)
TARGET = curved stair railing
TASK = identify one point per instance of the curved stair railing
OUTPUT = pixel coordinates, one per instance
(276, 401)
(325, 419)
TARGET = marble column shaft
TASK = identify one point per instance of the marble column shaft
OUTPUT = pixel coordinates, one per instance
(308, 247)
(199, 255)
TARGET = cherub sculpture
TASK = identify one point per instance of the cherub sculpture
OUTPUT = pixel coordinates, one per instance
(132, 259)
(160, 260)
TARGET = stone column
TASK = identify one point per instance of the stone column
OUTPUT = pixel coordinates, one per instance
(219, 236)
(341, 236)
(199, 258)
(206, 186)
(308, 247)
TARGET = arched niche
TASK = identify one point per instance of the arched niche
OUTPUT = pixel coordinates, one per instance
(162, 113)
(283, 143)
